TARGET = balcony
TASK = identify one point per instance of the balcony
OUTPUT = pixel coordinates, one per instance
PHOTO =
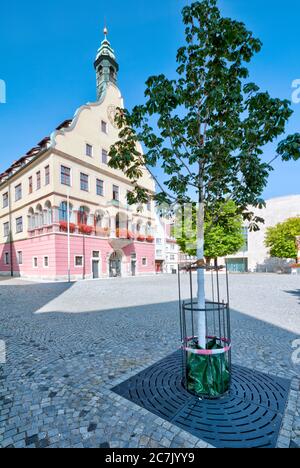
(62, 227)
(125, 237)
(118, 238)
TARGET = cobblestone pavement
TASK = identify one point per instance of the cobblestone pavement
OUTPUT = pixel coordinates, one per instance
(67, 345)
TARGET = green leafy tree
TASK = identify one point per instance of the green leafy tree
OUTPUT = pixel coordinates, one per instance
(206, 129)
(281, 239)
(224, 237)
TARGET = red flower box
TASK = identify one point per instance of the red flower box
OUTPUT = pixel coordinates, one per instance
(84, 229)
(64, 226)
(140, 238)
(121, 233)
(150, 239)
(124, 234)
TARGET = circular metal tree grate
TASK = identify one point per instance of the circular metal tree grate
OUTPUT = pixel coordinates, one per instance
(250, 415)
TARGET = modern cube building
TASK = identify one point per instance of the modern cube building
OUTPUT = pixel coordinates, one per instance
(64, 212)
(255, 256)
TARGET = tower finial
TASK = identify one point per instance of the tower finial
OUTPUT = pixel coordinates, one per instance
(105, 30)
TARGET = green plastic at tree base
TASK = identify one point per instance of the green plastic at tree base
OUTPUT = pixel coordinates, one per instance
(208, 375)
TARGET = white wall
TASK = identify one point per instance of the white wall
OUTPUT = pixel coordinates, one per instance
(277, 210)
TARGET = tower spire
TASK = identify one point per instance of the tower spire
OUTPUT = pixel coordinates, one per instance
(106, 65)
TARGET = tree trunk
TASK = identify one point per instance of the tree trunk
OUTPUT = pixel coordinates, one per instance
(201, 278)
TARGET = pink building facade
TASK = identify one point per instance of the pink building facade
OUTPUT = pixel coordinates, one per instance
(45, 256)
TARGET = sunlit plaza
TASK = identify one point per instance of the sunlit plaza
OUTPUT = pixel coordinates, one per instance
(68, 345)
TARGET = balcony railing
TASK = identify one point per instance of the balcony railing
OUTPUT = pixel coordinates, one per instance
(88, 230)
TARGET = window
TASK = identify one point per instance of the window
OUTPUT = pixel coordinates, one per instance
(100, 187)
(35, 262)
(158, 241)
(38, 180)
(19, 225)
(6, 258)
(159, 253)
(20, 258)
(96, 254)
(5, 200)
(149, 205)
(30, 185)
(104, 156)
(103, 126)
(6, 229)
(84, 182)
(128, 192)
(112, 73)
(47, 175)
(144, 261)
(115, 192)
(65, 175)
(245, 232)
(79, 261)
(89, 150)
(63, 211)
(46, 262)
(82, 215)
(172, 257)
(18, 192)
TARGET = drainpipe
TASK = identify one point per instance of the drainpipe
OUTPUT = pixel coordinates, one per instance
(83, 273)
(10, 233)
(69, 239)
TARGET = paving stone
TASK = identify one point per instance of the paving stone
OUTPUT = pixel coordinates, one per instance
(69, 346)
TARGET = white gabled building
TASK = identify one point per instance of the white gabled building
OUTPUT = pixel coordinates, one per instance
(167, 251)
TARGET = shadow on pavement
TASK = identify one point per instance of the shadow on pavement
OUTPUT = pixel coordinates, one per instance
(295, 292)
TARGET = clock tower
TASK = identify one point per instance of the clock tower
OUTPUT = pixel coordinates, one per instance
(106, 66)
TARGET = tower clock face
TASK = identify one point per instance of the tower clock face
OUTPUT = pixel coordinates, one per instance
(111, 114)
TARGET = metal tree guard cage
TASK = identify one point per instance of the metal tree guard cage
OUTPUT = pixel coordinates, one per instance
(206, 372)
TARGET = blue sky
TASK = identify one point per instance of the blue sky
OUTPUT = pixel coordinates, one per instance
(47, 51)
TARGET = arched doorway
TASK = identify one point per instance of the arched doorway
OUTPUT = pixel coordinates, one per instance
(115, 265)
